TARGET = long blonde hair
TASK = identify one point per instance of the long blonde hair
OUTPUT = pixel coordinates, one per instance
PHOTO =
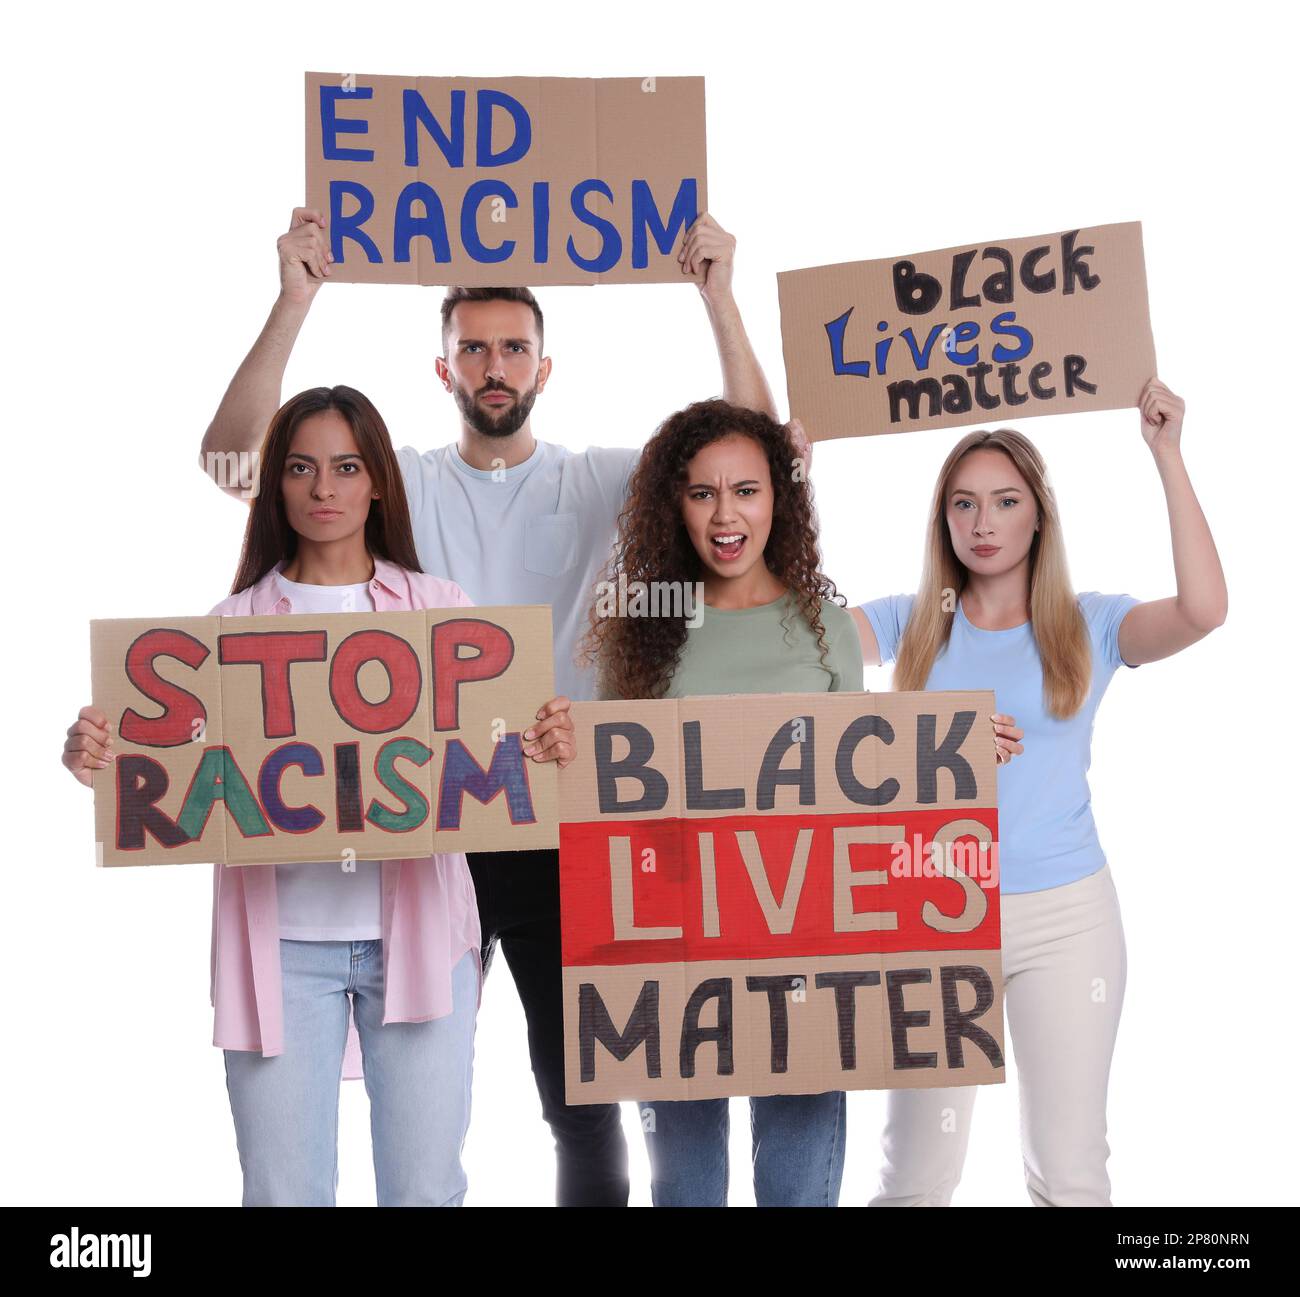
(1055, 620)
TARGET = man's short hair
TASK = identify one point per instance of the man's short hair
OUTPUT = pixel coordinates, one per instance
(458, 294)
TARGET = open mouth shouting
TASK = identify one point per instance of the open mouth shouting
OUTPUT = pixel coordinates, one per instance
(728, 545)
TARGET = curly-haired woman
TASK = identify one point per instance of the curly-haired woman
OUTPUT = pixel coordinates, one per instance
(718, 502)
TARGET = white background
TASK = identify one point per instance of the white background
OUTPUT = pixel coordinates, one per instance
(151, 158)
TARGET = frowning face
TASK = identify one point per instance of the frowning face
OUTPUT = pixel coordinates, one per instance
(326, 486)
(493, 366)
(727, 505)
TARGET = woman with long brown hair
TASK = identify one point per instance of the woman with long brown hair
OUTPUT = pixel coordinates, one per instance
(314, 963)
(719, 512)
(996, 610)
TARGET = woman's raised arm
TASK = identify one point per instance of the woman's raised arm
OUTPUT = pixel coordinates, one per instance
(1163, 627)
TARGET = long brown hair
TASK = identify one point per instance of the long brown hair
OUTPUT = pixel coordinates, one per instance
(635, 657)
(269, 539)
(1055, 619)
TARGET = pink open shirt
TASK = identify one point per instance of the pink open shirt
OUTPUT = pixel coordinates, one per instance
(430, 912)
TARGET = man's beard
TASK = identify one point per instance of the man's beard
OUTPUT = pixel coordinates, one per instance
(482, 421)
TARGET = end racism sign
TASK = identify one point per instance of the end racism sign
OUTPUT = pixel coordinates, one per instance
(512, 181)
(780, 894)
(985, 333)
(370, 736)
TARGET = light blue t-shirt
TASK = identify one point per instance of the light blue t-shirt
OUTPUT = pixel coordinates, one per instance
(1046, 834)
(538, 533)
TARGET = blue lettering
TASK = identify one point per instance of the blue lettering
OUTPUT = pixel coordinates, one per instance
(349, 227)
(835, 333)
(289, 819)
(1001, 324)
(332, 125)
(685, 210)
(966, 331)
(487, 101)
(432, 225)
(611, 240)
(461, 774)
(921, 358)
(415, 113)
(541, 222)
(474, 197)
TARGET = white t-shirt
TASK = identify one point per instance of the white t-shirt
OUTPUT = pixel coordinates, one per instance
(325, 902)
(538, 533)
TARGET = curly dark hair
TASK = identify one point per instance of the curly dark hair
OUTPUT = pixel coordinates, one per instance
(635, 657)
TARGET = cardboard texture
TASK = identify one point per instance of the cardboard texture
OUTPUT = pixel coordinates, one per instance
(266, 740)
(987, 333)
(780, 894)
(510, 181)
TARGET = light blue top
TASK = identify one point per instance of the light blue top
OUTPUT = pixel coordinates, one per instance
(540, 532)
(1046, 833)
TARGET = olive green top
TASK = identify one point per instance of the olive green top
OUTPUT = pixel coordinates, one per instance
(770, 649)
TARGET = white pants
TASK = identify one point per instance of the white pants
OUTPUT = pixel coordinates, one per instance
(1063, 968)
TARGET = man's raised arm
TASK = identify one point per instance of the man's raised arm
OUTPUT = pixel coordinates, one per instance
(253, 397)
(709, 248)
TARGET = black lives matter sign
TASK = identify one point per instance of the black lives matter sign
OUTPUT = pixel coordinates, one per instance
(986, 333)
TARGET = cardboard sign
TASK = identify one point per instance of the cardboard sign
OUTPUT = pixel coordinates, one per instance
(268, 740)
(511, 181)
(988, 333)
(780, 894)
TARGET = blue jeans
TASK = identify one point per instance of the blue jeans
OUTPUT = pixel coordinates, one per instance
(798, 1150)
(417, 1075)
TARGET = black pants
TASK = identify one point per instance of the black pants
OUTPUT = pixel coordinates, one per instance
(519, 907)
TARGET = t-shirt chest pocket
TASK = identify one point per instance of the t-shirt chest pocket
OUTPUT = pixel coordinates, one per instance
(551, 544)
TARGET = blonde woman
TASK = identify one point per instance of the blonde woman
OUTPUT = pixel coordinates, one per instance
(996, 611)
